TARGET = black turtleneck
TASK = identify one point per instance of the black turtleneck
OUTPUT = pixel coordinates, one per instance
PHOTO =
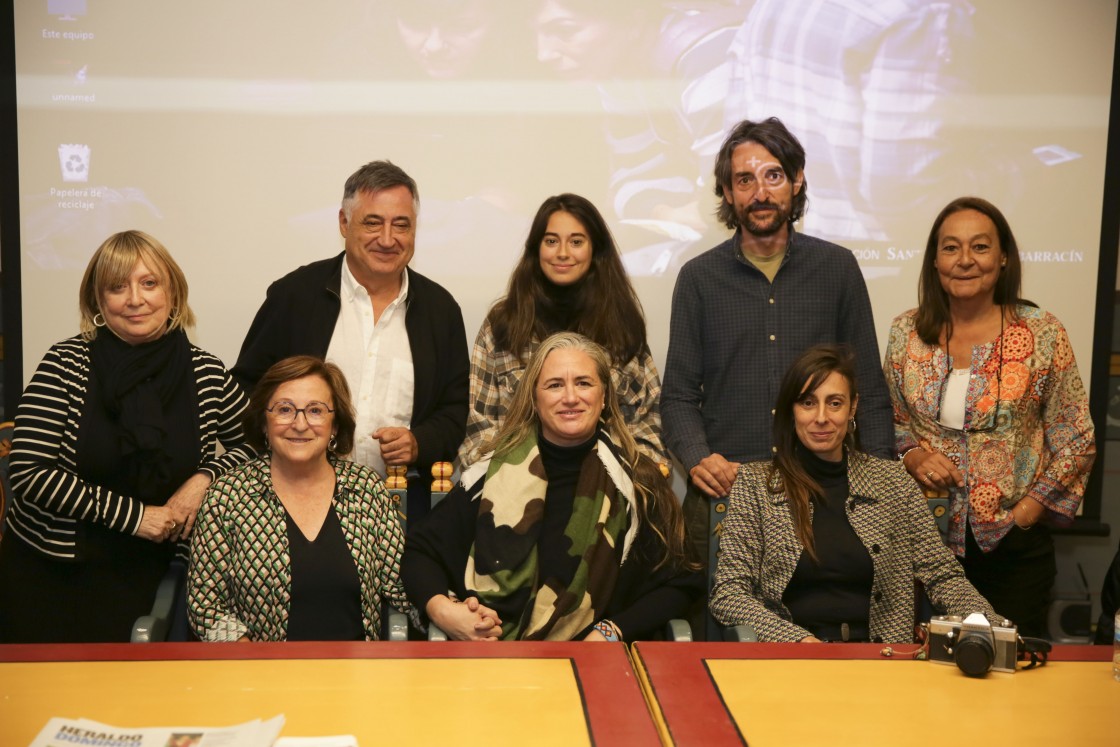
(836, 588)
(562, 467)
(561, 308)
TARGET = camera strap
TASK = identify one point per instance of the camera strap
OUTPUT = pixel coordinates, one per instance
(1034, 650)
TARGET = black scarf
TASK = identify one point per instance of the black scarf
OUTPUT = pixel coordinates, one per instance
(137, 383)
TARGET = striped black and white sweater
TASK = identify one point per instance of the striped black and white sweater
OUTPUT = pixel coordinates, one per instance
(49, 498)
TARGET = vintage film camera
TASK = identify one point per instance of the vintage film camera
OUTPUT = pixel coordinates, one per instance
(973, 644)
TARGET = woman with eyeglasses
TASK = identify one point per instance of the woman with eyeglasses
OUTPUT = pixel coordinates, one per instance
(989, 406)
(298, 544)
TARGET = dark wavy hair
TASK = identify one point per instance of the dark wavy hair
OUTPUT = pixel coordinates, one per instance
(602, 305)
(933, 300)
(255, 419)
(786, 471)
(774, 137)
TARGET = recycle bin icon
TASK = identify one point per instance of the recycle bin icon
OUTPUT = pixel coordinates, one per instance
(74, 162)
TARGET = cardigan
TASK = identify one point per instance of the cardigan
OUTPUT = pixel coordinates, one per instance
(1042, 446)
(759, 551)
(50, 499)
(495, 374)
(298, 318)
(240, 577)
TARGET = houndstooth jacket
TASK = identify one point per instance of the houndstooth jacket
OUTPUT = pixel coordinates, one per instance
(759, 550)
(240, 579)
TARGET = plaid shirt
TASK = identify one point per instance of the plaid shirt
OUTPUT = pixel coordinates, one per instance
(240, 580)
(759, 551)
(733, 334)
(494, 377)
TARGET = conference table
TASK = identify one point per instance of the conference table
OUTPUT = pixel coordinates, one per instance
(565, 693)
(852, 694)
(383, 693)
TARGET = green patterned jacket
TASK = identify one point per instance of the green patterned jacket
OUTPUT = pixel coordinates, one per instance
(240, 578)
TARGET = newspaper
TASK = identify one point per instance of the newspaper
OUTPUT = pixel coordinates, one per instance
(66, 732)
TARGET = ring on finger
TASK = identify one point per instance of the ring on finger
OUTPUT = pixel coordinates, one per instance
(929, 475)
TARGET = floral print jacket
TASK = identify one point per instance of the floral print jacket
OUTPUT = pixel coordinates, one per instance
(1027, 427)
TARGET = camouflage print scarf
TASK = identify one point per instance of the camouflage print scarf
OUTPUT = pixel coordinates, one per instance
(502, 567)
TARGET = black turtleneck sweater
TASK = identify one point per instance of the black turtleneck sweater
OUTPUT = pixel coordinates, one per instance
(835, 589)
(561, 467)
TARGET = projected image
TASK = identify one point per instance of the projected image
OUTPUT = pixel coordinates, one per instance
(447, 39)
(229, 128)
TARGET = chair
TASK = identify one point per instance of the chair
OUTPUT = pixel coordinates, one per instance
(744, 633)
(169, 602)
(717, 508)
(396, 481)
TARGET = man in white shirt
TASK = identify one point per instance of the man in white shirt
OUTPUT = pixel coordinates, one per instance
(397, 335)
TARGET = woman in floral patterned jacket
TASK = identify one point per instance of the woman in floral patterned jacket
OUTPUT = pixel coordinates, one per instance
(989, 406)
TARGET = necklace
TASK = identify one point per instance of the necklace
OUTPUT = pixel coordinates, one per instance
(991, 426)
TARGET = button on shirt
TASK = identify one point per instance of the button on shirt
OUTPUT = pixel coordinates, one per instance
(376, 358)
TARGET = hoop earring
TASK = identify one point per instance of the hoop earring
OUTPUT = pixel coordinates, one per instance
(332, 444)
(97, 323)
(852, 425)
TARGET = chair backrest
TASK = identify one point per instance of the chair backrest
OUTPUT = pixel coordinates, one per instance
(397, 483)
(717, 509)
(6, 430)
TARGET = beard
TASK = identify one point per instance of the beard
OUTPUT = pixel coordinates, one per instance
(757, 222)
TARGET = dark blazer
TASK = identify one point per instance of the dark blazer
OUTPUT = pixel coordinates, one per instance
(298, 317)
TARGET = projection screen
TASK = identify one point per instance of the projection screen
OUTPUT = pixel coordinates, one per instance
(226, 129)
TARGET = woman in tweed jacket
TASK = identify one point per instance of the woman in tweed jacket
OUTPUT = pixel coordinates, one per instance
(825, 542)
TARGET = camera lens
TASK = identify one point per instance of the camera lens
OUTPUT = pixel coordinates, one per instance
(974, 655)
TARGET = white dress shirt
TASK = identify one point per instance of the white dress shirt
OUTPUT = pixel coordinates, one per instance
(377, 361)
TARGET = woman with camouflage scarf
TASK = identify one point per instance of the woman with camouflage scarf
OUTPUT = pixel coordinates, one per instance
(562, 531)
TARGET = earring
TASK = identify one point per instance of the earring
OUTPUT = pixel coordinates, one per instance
(332, 444)
(98, 323)
(852, 425)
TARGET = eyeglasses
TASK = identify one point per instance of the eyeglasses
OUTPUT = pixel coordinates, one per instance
(285, 412)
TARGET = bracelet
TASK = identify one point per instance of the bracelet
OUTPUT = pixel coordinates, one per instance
(608, 630)
(902, 454)
(1026, 528)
